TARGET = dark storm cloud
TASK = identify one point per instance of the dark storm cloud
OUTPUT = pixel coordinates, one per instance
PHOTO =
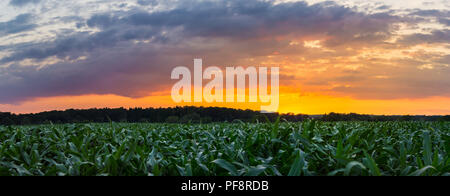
(127, 73)
(246, 19)
(22, 2)
(79, 44)
(238, 20)
(19, 24)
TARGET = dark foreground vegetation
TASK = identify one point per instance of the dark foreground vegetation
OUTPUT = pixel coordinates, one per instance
(186, 115)
(222, 149)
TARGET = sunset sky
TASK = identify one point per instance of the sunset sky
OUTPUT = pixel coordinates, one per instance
(372, 57)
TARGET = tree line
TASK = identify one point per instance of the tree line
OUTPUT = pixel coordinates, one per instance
(185, 115)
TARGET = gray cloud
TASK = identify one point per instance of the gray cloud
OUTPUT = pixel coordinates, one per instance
(431, 13)
(127, 73)
(20, 24)
(22, 2)
(436, 36)
(441, 16)
(445, 21)
(147, 2)
(78, 44)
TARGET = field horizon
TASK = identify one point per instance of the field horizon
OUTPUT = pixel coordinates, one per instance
(171, 107)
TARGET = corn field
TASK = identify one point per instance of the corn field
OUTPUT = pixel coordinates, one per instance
(311, 148)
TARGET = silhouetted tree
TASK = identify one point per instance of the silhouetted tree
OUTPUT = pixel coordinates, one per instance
(185, 115)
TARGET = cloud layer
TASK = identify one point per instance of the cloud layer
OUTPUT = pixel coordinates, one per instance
(129, 49)
(22, 2)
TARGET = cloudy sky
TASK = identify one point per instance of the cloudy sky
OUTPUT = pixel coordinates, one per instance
(377, 57)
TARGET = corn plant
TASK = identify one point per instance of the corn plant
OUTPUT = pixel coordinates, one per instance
(311, 148)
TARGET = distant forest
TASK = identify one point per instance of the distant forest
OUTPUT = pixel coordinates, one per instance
(185, 115)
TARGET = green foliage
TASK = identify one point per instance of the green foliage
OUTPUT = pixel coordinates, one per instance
(221, 149)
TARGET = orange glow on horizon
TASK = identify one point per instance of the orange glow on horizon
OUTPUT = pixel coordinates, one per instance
(289, 103)
(307, 85)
